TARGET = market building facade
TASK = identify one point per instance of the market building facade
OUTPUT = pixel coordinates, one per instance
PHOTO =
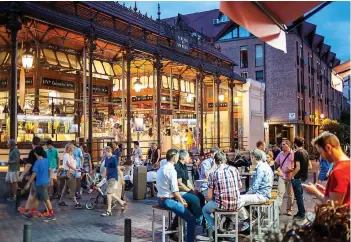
(72, 70)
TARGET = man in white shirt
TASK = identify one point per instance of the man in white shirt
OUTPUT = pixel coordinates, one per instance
(208, 165)
(169, 196)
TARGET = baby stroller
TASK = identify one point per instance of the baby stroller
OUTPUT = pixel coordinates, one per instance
(98, 184)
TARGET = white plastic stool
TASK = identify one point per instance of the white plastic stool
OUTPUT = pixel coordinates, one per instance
(164, 232)
(217, 216)
(265, 208)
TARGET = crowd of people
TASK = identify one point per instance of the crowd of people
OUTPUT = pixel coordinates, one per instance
(42, 175)
(288, 165)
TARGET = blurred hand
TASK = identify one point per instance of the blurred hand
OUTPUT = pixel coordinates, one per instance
(320, 188)
(27, 186)
(310, 189)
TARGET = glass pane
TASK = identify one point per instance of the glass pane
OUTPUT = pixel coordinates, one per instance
(108, 68)
(62, 59)
(144, 81)
(165, 82)
(192, 87)
(50, 57)
(182, 86)
(175, 84)
(259, 55)
(243, 32)
(99, 67)
(2, 57)
(74, 62)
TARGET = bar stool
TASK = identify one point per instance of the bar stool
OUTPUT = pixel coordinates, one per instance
(263, 224)
(164, 232)
(217, 216)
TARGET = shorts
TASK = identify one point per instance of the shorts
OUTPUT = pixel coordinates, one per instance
(33, 189)
(87, 168)
(42, 193)
(53, 173)
(112, 186)
(12, 176)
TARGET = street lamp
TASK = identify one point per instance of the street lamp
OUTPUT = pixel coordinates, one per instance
(322, 116)
(138, 85)
(27, 60)
(221, 97)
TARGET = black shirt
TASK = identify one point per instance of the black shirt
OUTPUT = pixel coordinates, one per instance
(302, 157)
(276, 153)
(182, 172)
(153, 155)
(32, 159)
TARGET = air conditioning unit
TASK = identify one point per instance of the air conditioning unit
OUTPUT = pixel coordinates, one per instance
(322, 96)
(216, 21)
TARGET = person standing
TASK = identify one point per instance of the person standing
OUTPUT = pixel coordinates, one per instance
(154, 155)
(40, 173)
(28, 169)
(111, 172)
(285, 162)
(12, 175)
(70, 166)
(276, 150)
(338, 185)
(115, 150)
(261, 145)
(189, 138)
(325, 168)
(300, 174)
(53, 157)
(78, 156)
(137, 153)
(169, 196)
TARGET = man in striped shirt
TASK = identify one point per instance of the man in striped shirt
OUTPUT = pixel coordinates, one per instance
(224, 188)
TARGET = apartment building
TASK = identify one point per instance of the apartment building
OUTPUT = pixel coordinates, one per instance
(301, 88)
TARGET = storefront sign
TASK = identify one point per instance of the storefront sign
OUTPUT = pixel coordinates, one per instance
(28, 81)
(168, 99)
(100, 89)
(118, 99)
(210, 105)
(3, 83)
(166, 112)
(141, 98)
(184, 121)
(50, 82)
(139, 124)
(182, 42)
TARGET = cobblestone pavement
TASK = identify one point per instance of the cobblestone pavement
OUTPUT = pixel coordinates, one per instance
(74, 225)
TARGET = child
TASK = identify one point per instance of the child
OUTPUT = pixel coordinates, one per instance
(42, 180)
(87, 165)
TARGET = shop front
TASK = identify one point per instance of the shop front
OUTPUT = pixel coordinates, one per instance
(89, 73)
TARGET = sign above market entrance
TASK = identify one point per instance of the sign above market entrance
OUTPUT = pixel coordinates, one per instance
(182, 42)
(51, 82)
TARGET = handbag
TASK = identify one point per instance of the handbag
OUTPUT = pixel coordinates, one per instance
(64, 174)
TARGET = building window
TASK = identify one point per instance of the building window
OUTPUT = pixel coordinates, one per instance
(259, 55)
(297, 54)
(223, 19)
(243, 57)
(243, 33)
(259, 76)
(309, 63)
(244, 74)
(298, 80)
(298, 108)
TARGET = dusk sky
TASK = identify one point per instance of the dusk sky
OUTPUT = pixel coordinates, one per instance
(333, 22)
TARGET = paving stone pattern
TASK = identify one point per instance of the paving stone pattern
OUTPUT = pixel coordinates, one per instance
(73, 225)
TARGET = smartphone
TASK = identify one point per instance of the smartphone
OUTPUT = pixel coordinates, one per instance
(304, 185)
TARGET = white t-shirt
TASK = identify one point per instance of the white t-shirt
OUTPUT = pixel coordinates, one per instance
(70, 159)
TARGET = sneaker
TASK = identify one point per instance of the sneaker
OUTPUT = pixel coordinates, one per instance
(43, 214)
(49, 218)
(11, 199)
(245, 226)
(22, 210)
(202, 238)
(106, 214)
(27, 215)
(78, 206)
(62, 204)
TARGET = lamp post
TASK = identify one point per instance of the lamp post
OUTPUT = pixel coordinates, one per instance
(266, 132)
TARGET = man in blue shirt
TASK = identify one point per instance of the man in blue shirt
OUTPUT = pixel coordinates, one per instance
(41, 173)
(78, 156)
(111, 172)
(260, 191)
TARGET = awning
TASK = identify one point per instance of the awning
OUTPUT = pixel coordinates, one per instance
(268, 20)
(343, 69)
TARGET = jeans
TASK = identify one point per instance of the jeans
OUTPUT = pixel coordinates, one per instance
(194, 205)
(207, 210)
(296, 184)
(179, 209)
